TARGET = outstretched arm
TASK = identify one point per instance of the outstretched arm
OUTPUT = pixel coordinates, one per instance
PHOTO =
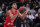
(22, 16)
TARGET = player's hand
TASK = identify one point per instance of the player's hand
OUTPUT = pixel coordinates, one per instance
(24, 12)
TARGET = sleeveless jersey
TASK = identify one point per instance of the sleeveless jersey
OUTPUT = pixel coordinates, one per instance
(8, 22)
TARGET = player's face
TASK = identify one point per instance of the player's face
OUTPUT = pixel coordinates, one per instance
(14, 5)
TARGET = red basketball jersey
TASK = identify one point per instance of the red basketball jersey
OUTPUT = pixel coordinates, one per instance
(8, 22)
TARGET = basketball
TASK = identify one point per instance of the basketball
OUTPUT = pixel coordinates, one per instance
(22, 9)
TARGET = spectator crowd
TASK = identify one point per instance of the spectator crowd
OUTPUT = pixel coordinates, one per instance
(32, 18)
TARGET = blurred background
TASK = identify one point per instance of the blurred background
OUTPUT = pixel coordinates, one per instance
(32, 18)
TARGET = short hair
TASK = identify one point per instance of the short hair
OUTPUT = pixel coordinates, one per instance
(13, 2)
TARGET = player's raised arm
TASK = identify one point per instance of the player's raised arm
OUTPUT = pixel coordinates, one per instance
(22, 16)
(23, 11)
(11, 15)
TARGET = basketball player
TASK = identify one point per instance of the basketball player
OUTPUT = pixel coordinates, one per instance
(12, 15)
